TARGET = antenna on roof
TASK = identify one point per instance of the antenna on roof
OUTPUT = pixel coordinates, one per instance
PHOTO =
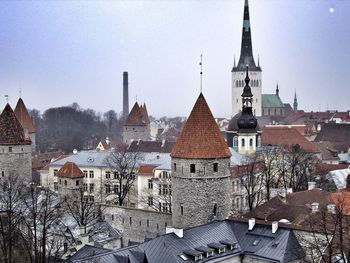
(20, 91)
(136, 98)
(7, 98)
(201, 73)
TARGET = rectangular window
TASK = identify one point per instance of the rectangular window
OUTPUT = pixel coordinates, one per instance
(85, 173)
(91, 174)
(182, 209)
(55, 186)
(2, 173)
(116, 175)
(10, 149)
(108, 175)
(150, 201)
(192, 168)
(55, 172)
(116, 188)
(85, 187)
(215, 167)
(91, 198)
(150, 184)
(174, 167)
(108, 188)
(91, 188)
(77, 182)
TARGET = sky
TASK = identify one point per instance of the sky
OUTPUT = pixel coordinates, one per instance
(60, 52)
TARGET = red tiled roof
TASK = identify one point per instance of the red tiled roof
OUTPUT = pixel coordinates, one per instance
(324, 168)
(70, 170)
(146, 169)
(11, 130)
(138, 116)
(342, 200)
(24, 117)
(286, 137)
(201, 136)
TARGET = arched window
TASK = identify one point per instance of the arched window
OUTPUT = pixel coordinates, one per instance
(235, 141)
(243, 143)
(237, 84)
(251, 142)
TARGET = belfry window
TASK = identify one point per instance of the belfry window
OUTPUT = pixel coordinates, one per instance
(192, 168)
(251, 142)
(243, 143)
(235, 141)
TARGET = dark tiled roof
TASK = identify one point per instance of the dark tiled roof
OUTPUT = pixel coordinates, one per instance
(286, 137)
(11, 130)
(339, 134)
(138, 116)
(201, 136)
(70, 170)
(296, 207)
(24, 117)
(278, 247)
(87, 251)
(151, 146)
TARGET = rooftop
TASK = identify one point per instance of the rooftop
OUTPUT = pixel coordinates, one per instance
(70, 170)
(271, 101)
(201, 136)
(138, 116)
(24, 117)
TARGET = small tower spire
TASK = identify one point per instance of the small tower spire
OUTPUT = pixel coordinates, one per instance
(258, 61)
(201, 73)
(277, 90)
(234, 61)
(295, 103)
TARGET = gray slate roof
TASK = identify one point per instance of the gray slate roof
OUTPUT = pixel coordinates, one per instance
(281, 247)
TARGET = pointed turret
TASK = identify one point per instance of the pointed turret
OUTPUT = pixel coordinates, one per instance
(201, 136)
(246, 58)
(24, 117)
(11, 130)
(295, 103)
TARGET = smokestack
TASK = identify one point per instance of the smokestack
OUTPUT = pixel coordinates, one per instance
(125, 95)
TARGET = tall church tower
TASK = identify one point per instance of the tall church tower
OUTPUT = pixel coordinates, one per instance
(200, 163)
(295, 103)
(238, 72)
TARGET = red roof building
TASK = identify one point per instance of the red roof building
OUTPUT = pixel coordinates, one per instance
(70, 170)
(138, 116)
(201, 136)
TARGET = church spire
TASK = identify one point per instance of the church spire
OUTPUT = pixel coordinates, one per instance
(277, 91)
(295, 103)
(246, 58)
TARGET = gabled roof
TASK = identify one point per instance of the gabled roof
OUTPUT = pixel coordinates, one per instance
(11, 130)
(286, 137)
(201, 136)
(138, 116)
(70, 170)
(24, 117)
(146, 169)
(271, 101)
(151, 146)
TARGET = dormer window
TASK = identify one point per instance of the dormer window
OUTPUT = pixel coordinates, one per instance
(194, 254)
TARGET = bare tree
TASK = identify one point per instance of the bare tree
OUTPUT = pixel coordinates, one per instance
(122, 166)
(252, 181)
(84, 211)
(40, 212)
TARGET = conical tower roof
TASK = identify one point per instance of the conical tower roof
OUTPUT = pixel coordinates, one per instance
(11, 130)
(70, 170)
(201, 137)
(24, 117)
(136, 116)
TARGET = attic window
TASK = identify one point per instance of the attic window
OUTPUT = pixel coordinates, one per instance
(256, 242)
(194, 254)
(192, 168)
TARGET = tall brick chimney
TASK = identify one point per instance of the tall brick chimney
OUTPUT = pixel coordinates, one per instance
(125, 95)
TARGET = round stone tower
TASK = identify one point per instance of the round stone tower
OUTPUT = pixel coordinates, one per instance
(200, 171)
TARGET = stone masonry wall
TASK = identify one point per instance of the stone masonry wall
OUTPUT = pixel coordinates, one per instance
(16, 161)
(200, 197)
(136, 224)
(136, 133)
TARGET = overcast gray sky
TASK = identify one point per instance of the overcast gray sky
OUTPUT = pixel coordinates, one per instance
(76, 51)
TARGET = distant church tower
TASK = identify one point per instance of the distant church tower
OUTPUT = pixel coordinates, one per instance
(295, 103)
(243, 133)
(238, 72)
(200, 163)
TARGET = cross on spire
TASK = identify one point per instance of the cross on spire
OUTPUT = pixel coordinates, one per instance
(201, 72)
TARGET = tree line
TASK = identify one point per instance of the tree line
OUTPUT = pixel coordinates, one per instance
(71, 127)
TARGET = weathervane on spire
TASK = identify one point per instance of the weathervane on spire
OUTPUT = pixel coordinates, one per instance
(20, 91)
(7, 98)
(201, 72)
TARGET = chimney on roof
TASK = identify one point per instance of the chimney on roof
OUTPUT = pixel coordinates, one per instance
(177, 231)
(251, 223)
(331, 208)
(311, 185)
(107, 140)
(125, 95)
(314, 207)
(348, 180)
(274, 227)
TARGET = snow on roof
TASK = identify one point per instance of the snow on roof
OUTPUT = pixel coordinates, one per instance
(339, 177)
